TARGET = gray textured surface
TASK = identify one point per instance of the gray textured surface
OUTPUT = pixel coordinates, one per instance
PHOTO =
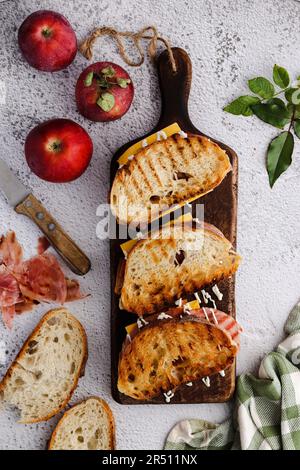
(229, 41)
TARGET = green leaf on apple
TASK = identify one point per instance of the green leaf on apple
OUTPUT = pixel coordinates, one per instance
(108, 72)
(123, 82)
(89, 78)
(102, 82)
(106, 101)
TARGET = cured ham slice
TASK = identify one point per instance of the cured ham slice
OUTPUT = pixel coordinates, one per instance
(24, 284)
(10, 295)
(11, 253)
(9, 288)
(41, 278)
(216, 317)
(26, 305)
(43, 245)
(8, 314)
(222, 320)
(73, 290)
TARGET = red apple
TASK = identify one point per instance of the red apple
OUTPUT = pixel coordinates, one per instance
(47, 41)
(104, 92)
(58, 150)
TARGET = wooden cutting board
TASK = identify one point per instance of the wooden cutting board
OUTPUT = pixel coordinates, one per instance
(220, 209)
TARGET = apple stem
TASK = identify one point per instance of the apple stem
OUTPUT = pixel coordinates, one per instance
(55, 146)
(46, 32)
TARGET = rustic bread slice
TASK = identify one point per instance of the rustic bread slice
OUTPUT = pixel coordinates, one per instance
(167, 173)
(41, 380)
(166, 354)
(86, 426)
(173, 263)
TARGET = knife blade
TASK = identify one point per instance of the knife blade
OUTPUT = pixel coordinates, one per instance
(24, 202)
(14, 191)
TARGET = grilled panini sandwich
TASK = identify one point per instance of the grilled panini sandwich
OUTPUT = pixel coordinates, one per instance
(176, 347)
(164, 174)
(174, 262)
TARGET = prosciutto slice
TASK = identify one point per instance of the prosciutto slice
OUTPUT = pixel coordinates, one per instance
(24, 284)
(73, 290)
(41, 278)
(222, 320)
(10, 295)
(11, 253)
(216, 317)
(8, 314)
(43, 245)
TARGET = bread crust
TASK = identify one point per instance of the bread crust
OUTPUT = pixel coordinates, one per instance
(22, 353)
(138, 356)
(104, 404)
(142, 306)
(151, 177)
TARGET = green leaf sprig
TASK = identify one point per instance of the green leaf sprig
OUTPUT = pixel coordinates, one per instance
(106, 79)
(274, 111)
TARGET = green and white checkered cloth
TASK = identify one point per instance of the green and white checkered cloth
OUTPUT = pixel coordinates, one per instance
(267, 409)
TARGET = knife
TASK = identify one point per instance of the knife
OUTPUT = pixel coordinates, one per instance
(24, 202)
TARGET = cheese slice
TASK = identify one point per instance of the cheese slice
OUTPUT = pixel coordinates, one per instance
(151, 139)
(163, 133)
(194, 305)
(127, 246)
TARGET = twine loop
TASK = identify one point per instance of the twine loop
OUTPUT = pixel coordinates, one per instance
(149, 33)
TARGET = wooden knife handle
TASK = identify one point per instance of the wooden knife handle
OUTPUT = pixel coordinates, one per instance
(78, 262)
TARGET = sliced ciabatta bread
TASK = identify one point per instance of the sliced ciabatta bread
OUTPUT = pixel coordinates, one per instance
(167, 173)
(175, 348)
(86, 426)
(172, 263)
(42, 379)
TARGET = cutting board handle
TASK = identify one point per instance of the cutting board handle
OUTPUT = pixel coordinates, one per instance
(175, 88)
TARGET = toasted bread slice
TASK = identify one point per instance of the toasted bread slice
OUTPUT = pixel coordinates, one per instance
(171, 264)
(44, 375)
(164, 174)
(86, 426)
(168, 353)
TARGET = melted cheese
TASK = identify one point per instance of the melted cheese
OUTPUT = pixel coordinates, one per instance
(127, 246)
(193, 305)
(151, 139)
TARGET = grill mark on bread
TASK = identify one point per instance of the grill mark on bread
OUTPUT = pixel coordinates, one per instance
(166, 347)
(154, 172)
(135, 187)
(170, 282)
(194, 147)
(140, 168)
(205, 161)
(170, 153)
(182, 148)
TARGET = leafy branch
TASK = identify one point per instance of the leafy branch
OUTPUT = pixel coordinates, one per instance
(274, 111)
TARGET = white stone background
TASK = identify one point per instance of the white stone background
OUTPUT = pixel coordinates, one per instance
(229, 41)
